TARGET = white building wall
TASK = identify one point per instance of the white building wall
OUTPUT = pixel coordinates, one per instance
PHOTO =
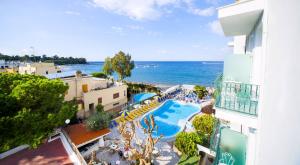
(239, 43)
(39, 68)
(279, 134)
(108, 101)
(97, 88)
(254, 49)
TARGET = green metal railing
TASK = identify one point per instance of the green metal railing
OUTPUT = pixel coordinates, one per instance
(214, 139)
(231, 147)
(238, 97)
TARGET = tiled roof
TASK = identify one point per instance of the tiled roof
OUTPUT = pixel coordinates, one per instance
(48, 153)
(80, 135)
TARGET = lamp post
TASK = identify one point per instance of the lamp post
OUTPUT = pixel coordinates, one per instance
(67, 121)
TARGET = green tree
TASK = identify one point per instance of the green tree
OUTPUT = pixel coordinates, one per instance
(204, 124)
(200, 91)
(31, 107)
(187, 142)
(107, 67)
(122, 64)
(99, 120)
(99, 75)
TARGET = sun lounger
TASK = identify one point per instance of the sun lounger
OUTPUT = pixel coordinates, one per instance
(138, 113)
(133, 116)
(128, 118)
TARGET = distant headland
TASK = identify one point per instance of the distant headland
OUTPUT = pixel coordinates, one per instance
(44, 58)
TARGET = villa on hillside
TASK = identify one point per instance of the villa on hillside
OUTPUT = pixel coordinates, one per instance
(40, 68)
(90, 91)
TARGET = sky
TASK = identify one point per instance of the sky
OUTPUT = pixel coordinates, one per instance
(149, 30)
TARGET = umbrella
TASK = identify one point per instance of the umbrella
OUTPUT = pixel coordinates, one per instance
(101, 142)
(125, 113)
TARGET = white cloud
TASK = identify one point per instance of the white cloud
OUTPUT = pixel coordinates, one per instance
(215, 27)
(209, 11)
(135, 27)
(5, 51)
(135, 9)
(150, 9)
(214, 2)
(203, 12)
(153, 33)
(118, 30)
(72, 13)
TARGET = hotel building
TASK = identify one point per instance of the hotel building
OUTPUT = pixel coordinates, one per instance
(40, 68)
(257, 105)
(90, 91)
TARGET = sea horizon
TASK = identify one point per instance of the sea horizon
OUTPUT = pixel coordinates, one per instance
(162, 73)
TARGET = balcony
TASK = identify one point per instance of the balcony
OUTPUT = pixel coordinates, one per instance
(238, 97)
(231, 147)
(240, 17)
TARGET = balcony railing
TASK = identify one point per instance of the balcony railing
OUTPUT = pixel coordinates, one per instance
(238, 97)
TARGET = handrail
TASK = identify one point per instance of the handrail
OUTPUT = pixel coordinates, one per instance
(239, 97)
(78, 154)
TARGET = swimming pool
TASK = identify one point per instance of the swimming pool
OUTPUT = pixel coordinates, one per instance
(142, 96)
(171, 117)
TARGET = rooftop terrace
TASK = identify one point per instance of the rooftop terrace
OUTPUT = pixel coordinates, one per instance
(48, 153)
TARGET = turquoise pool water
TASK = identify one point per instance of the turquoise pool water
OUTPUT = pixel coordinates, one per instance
(171, 117)
(142, 96)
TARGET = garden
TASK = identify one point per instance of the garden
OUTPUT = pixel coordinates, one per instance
(186, 142)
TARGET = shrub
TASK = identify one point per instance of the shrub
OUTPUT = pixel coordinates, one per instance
(200, 91)
(99, 75)
(187, 142)
(204, 124)
(99, 120)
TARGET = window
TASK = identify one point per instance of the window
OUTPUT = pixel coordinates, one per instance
(124, 93)
(91, 106)
(100, 100)
(46, 72)
(116, 95)
(85, 88)
(116, 104)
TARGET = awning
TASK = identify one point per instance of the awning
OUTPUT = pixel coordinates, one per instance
(171, 89)
(137, 98)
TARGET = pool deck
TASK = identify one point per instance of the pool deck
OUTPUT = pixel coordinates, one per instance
(167, 156)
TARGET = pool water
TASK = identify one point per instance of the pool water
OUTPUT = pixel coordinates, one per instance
(171, 117)
(142, 96)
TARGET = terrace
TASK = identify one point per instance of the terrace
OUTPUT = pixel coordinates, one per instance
(113, 148)
(236, 92)
(239, 97)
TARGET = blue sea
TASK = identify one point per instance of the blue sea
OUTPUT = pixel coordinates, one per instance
(163, 73)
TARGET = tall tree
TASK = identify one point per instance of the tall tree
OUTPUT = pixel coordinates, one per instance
(31, 107)
(107, 67)
(122, 64)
